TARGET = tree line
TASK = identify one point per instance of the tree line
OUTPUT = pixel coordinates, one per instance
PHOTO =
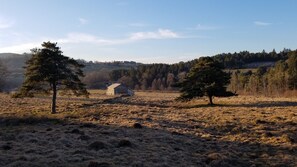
(278, 80)
(164, 76)
(244, 58)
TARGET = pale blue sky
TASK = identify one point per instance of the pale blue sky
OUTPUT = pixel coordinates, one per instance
(149, 31)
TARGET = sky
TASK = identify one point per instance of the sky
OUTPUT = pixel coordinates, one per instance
(148, 31)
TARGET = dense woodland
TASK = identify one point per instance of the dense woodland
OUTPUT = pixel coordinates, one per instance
(244, 79)
(264, 72)
(281, 79)
(246, 59)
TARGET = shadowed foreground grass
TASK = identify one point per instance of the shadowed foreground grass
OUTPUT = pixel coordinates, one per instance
(101, 131)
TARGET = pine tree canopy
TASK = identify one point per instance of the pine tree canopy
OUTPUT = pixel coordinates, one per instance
(292, 69)
(206, 78)
(48, 71)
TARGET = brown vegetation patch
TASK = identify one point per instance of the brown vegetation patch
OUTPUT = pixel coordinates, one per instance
(149, 129)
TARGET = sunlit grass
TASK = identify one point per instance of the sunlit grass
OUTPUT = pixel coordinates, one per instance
(244, 130)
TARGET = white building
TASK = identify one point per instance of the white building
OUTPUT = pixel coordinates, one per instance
(119, 89)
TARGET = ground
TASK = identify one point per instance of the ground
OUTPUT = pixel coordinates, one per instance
(148, 129)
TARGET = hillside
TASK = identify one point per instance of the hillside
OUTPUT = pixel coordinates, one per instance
(16, 62)
(164, 77)
(241, 59)
(144, 76)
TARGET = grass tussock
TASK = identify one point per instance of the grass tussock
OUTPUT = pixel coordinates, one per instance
(149, 129)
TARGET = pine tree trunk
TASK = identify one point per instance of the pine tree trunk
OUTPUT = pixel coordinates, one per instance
(54, 98)
(210, 100)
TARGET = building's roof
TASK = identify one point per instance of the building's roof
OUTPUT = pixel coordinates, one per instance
(113, 86)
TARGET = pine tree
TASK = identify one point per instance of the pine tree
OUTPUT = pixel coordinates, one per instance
(206, 78)
(277, 78)
(292, 69)
(48, 71)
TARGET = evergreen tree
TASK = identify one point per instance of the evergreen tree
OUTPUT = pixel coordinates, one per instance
(234, 81)
(292, 69)
(48, 71)
(277, 78)
(206, 78)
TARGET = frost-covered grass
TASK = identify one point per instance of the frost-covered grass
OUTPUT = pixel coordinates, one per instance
(238, 131)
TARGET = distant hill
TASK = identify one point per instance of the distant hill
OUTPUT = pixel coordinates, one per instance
(164, 77)
(95, 66)
(15, 63)
(137, 74)
(246, 59)
(5, 55)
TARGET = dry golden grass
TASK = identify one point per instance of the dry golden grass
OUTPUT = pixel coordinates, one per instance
(238, 131)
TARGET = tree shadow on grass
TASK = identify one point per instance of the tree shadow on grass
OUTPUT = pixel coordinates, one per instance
(260, 104)
(170, 103)
(185, 106)
(27, 120)
(70, 143)
(264, 104)
(125, 101)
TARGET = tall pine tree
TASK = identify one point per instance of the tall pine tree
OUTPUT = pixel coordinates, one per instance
(292, 69)
(48, 71)
(206, 78)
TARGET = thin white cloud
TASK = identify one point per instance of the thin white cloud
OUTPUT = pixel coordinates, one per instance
(160, 34)
(87, 38)
(261, 23)
(19, 48)
(83, 21)
(4, 23)
(76, 38)
(166, 33)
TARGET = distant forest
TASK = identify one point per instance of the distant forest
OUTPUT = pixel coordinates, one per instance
(252, 73)
(245, 59)
(164, 76)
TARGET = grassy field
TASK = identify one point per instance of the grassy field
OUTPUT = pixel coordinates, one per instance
(149, 129)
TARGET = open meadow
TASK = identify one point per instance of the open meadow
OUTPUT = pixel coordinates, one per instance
(148, 129)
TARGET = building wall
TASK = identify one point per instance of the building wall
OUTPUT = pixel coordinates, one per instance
(110, 92)
(119, 90)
